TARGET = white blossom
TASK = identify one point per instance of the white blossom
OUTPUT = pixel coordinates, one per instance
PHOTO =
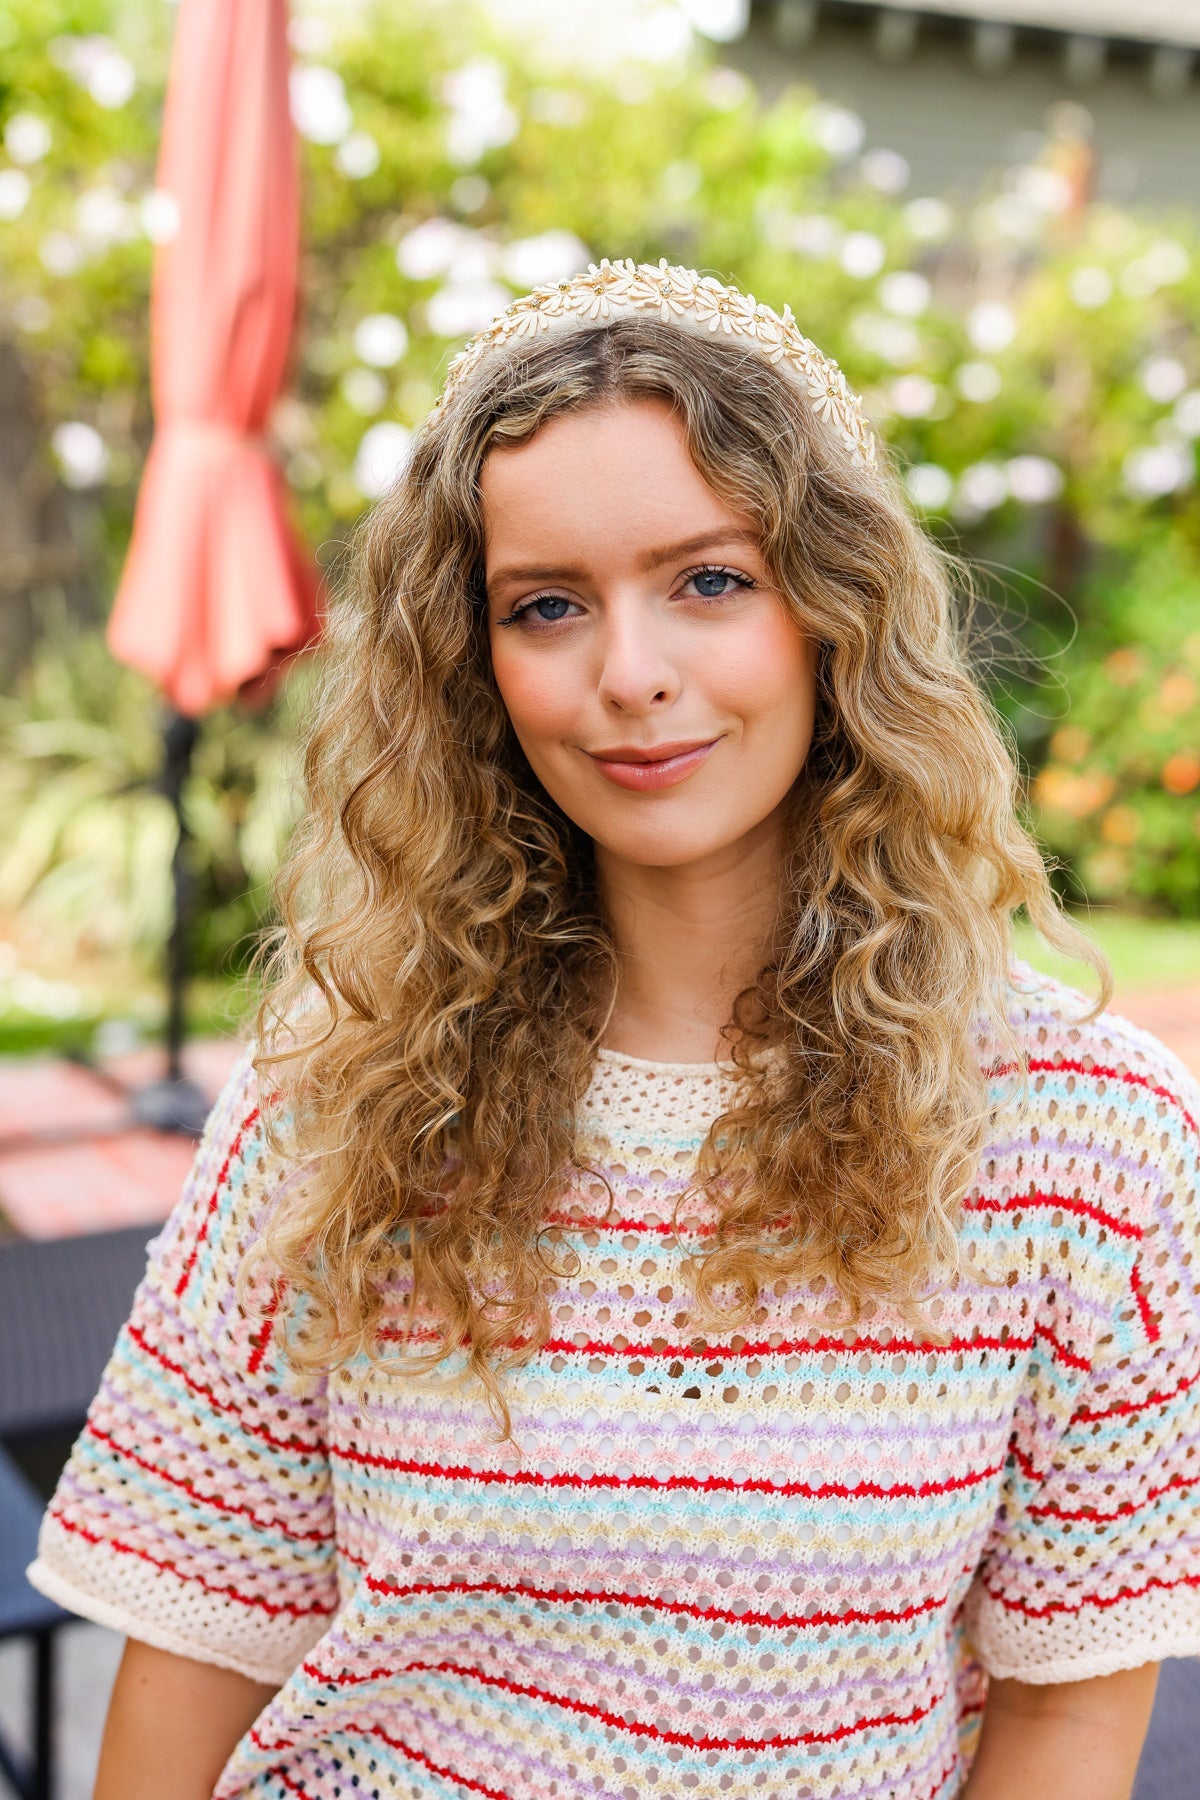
(991, 326)
(551, 256)
(382, 453)
(159, 214)
(463, 307)
(862, 254)
(364, 389)
(320, 109)
(977, 381)
(836, 129)
(81, 453)
(1033, 480)
(14, 193)
(380, 340)
(1158, 469)
(481, 118)
(905, 291)
(913, 396)
(929, 485)
(885, 170)
(1163, 378)
(27, 137)
(358, 155)
(1090, 286)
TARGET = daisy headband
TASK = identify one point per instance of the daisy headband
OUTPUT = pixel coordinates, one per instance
(607, 291)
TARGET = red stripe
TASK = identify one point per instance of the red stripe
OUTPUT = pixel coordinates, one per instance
(631, 1227)
(1178, 1484)
(1127, 1409)
(649, 1602)
(212, 1500)
(1062, 1606)
(763, 1347)
(1038, 1200)
(1100, 1072)
(638, 1728)
(709, 1484)
(393, 1743)
(231, 1593)
(250, 1427)
(1149, 1322)
(263, 1338)
(214, 1198)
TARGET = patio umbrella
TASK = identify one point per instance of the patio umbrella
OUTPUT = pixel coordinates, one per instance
(215, 589)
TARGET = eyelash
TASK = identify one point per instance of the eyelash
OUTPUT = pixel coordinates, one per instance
(743, 582)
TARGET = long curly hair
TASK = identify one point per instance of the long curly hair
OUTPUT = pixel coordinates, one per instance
(440, 979)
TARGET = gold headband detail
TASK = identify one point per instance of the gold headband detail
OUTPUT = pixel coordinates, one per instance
(613, 290)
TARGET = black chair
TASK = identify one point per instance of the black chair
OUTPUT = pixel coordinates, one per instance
(61, 1305)
(27, 1614)
(1168, 1769)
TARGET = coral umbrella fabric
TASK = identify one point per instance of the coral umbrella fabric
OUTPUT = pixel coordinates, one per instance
(215, 588)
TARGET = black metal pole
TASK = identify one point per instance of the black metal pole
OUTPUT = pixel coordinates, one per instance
(179, 741)
(176, 1103)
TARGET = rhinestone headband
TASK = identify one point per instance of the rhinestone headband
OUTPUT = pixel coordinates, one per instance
(622, 289)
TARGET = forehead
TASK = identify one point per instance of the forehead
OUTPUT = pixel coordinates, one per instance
(597, 479)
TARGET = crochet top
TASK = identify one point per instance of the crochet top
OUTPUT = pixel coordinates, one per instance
(708, 1569)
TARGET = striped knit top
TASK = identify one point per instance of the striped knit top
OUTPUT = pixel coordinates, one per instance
(719, 1569)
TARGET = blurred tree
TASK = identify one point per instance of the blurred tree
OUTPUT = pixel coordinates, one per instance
(1033, 361)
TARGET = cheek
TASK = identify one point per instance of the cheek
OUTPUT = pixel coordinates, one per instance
(538, 691)
(768, 675)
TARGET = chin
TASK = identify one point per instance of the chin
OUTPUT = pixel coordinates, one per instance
(659, 847)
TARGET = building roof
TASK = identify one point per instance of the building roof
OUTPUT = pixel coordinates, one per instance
(1150, 22)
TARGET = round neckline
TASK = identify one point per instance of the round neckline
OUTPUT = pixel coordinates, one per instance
(619, 1059)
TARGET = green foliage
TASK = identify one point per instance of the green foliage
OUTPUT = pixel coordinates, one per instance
(1031, 359)
(1119, 792)
(88, 837)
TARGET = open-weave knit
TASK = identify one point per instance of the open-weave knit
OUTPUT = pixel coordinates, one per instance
(761, 1566)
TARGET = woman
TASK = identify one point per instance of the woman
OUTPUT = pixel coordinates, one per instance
(710, 1324)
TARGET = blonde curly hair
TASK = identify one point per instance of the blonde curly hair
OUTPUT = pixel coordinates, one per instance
(436, 990)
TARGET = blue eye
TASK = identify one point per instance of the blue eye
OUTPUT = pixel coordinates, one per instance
(711, 582)
(717, 584)
(550, 606)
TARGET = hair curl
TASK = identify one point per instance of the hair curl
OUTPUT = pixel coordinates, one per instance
(439, 983)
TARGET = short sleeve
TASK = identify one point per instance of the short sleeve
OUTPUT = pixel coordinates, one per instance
(1093, 1564)
(195, 1511)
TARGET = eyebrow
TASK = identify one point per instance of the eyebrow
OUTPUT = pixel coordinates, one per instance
(647, 563)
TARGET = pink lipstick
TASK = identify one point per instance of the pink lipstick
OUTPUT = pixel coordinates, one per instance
(644, 770)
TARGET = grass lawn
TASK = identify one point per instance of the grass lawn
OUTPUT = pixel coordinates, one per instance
(1143, 953)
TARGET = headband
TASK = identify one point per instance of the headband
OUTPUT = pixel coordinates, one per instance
(619, 290)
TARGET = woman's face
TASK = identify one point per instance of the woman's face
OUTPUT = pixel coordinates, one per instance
(657, 684)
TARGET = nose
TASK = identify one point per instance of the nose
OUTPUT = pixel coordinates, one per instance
(637, 673)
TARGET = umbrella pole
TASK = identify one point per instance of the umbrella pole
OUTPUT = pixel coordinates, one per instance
(176, 1103)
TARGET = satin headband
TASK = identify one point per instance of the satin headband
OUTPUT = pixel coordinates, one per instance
(607, 291)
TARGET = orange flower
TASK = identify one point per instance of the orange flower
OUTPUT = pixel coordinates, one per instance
(1077, 794)
(1121, 825)
(1070, 743)
(1177, 695)
(1124, 666)
(1181, 772)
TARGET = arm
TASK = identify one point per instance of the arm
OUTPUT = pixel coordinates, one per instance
(172, 1725)
(1076, 1740)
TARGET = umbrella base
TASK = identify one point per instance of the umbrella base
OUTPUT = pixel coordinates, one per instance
(174, 1104)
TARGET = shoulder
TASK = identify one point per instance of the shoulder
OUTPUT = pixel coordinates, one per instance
(1108, 1128)
(235, 1180)
(1117, 1075)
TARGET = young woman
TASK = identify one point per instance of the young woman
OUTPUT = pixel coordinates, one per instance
(682, 1312)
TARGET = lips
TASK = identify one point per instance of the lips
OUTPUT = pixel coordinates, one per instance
(644, 769)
